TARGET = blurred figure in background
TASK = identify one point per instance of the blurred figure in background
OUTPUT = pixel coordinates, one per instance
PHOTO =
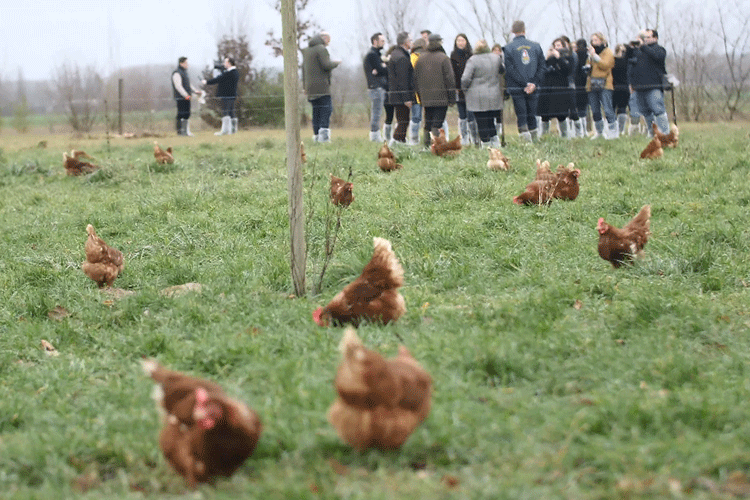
(182, 91)
(376, 73)
(467, 125)
(524, 71)
(316, 77)
(484, 92)
(600, 87)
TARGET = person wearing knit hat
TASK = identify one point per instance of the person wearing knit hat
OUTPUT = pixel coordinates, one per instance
(524, 70)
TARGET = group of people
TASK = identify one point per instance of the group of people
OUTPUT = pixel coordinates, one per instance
(565, 83)
(418, 78)
(226, 91)
(416, 81)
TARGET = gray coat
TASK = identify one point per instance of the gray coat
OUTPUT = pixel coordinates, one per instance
(481, 82)
(316, 69)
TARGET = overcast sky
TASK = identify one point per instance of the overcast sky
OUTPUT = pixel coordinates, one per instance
(40, 35)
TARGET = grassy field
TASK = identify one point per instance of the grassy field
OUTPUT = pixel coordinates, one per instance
(555, 375)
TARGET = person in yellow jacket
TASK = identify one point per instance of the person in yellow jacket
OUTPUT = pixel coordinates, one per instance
(416, 108)
(600, 86)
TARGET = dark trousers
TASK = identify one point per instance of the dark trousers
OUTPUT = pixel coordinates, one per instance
(183, 112)
(322, 107)
(227, 106)
(388, 113)
(526, 107)
(403, 117)
(486, 124)
(434, 116)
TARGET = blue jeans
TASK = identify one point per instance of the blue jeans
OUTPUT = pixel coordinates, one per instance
(322, 107)
(635, 111)
(599, 99)
(416, 113)
(651, 104)
(377, 96)
(526, 107)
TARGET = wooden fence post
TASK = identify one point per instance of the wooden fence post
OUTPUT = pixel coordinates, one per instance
(293, 159)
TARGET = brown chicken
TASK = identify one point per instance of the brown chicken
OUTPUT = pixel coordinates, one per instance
(380, 401)
(543, 172)
(341, 192)
(103, 263)
(667, 140)
(565, 185)
(440, 145)
(620, 246)
(536, 193)
(302, 155)
(373, 295)
(205, 433)
(163, 156)
(653, 150)
(497, 161)
(74, 166)
(562, 184)
(386, 160)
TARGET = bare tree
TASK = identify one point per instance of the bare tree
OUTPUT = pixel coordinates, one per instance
(307, 27)
(392, 17)
(577, 16)
(690, 45)
(734, 33)
(488, 19)
(646, 14)
(79, 93)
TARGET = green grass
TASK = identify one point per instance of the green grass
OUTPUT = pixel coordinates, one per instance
(555, 375)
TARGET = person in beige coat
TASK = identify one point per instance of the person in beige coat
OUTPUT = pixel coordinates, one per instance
(600, 86)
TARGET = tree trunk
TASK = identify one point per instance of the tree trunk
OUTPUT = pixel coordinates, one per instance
(293, 158)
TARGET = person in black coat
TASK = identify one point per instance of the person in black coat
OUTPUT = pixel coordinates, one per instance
(226, 91)
(376, 74)
(401, 85)
(555, 99)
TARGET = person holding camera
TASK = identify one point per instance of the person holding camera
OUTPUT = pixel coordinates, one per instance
(600, 86)
(182, 92)
(555, 96)
(226, 91)
(646, 75)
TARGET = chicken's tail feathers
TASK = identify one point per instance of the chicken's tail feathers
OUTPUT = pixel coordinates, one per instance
(643, 218)
(90, 230)
(150, 366)
(384, 255)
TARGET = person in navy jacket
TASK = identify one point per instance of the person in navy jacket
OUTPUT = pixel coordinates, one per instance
(226, 90)
(524, 71)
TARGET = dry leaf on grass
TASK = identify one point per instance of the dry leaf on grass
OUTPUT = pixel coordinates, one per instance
(49, 349)
(451, 481)
(178, 290)
(58, 313)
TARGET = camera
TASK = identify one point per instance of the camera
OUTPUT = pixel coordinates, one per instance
(635, 43)
(219, 64)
